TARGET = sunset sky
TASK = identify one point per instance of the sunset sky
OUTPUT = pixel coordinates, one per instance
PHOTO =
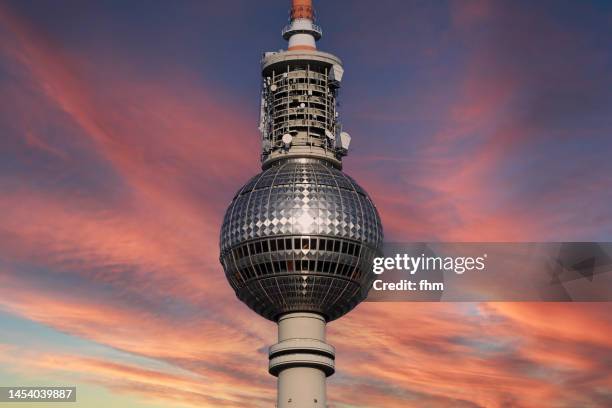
(127, 126)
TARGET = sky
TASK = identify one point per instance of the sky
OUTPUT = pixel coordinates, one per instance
(126, 128)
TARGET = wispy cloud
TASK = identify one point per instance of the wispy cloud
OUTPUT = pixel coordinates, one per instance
(115, 176)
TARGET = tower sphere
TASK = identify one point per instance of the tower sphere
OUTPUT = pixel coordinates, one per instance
(300, 237)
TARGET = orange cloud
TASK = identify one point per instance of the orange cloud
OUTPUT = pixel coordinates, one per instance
(184, 388)
(492, 355)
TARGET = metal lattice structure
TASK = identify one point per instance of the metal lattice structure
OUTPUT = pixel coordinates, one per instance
(299, 99)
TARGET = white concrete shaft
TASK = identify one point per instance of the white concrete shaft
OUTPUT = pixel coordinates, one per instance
(301, 387)
(302, 384)
(302, 41)
(301, 326)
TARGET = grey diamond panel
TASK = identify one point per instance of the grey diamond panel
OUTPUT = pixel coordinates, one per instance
(270, 205)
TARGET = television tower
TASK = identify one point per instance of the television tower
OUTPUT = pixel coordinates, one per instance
(298, 240)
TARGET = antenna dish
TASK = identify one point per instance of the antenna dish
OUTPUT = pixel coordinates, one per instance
(287, 139)
(302, 105)
(330, 135)
(273, 88)
(336, 73)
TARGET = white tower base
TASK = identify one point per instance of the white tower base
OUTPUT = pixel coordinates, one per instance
(302, 361)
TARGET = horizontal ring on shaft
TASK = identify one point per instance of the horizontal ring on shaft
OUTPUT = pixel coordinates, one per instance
(311, 346)
(281, 362)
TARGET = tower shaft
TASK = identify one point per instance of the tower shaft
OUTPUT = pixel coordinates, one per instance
(298, 239)
(301, 360)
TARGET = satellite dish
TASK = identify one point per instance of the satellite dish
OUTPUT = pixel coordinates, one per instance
(302, 105)
(287, 139)
(330, 135)
(273, 88)
(345, 140)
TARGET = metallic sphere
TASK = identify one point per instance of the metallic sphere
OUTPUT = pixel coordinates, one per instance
(300, 237)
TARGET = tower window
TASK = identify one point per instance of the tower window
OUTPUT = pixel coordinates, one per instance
(336, 246)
